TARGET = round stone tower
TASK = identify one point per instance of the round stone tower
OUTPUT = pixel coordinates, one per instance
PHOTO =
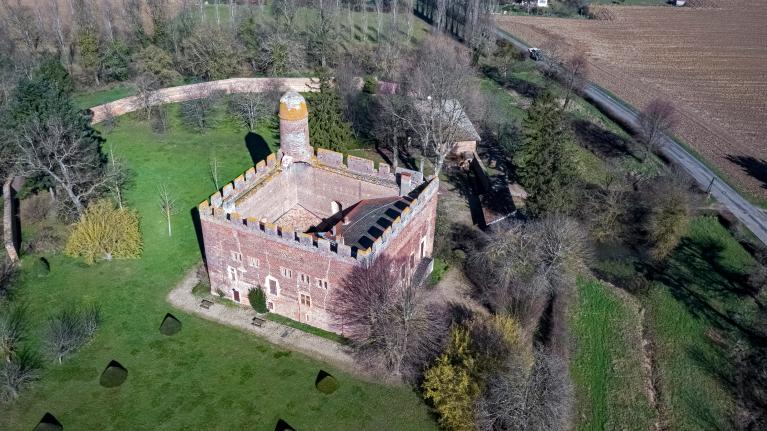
(294, 128)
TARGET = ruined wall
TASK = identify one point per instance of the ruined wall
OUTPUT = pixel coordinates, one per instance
(182, 93)
(11, 233)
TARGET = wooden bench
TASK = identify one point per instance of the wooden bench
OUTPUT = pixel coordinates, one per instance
(258, 321)
(206, 304)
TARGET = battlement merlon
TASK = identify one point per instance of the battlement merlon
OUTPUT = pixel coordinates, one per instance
(211, 213)
(356, 166)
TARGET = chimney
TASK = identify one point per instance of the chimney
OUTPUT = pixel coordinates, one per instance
(405, 183)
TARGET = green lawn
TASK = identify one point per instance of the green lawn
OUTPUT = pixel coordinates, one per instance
(695, 307)
(208, 376)
(606, 364)
(95, 97)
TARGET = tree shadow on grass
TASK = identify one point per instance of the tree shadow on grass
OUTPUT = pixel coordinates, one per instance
(710, 290)
(752, 166)
(523, 87)
(600, 141)
(257, 147)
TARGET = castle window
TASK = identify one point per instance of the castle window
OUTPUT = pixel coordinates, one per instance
(305, 299)
(412, 261)
(237, 257)
(423, 247)
(286, 272)
(304, 278)
(322, 283)
(254, 262)
(273, 287)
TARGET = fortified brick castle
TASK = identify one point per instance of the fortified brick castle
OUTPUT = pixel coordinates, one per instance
(297, 223)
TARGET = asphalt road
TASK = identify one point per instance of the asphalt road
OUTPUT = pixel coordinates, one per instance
(750, 215)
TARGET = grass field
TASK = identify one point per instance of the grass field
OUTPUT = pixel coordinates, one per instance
(208, 376)
(606, 364)
(696, 306)
(95, 97)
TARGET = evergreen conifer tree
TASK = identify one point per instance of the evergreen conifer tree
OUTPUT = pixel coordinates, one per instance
(544, 165)
(327, 127)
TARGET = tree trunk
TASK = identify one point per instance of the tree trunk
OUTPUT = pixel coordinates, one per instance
(75, 200)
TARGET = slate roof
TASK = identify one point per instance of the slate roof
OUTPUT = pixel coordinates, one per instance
(368, 219)
(365, 221)
(466, 130)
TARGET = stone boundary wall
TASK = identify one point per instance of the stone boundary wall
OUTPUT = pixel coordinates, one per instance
(215, 208)
(197, 91)
(10, 238)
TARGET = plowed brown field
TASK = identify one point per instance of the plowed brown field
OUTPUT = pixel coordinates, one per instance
(711, 62)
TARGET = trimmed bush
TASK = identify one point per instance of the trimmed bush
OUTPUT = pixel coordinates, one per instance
(170, 325)
(257, 300)
(49, 423)
(113, 375)
(326, 383)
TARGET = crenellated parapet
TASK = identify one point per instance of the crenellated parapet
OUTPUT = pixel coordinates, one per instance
(221, 206)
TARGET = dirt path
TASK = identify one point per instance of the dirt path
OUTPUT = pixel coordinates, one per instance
(454, 288)
(649, 366)
(280, 335)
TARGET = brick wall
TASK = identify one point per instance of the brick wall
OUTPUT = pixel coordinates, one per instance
(10, 233)
(253, 256)
(195, 91)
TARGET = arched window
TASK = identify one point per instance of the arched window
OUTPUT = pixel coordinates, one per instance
(335, 207)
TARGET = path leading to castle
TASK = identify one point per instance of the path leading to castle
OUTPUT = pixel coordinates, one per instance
(280, 335)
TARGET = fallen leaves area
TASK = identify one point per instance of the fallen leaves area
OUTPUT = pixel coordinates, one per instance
(710, 61)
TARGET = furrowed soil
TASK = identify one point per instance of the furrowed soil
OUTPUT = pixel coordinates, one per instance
(711, 62)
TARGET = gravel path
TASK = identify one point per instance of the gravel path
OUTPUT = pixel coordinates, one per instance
(280, 335)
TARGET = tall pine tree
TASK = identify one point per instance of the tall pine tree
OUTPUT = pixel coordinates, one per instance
(544, 165)
(327, 127)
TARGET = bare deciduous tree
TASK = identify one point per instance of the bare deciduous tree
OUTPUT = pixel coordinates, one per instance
(522, 399)
(285, 11)
(167, 205)
(669, 207)
(442, 91)
(280, 54)
(386, 316)
(70, 328)
(147, 85)
(19, 372)
(213, 167)
(12, 328)
(8, 272)
(60, 150)
(250, 108)
(197, 110)
(522, 267)
(657, 118)
(574, 75)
